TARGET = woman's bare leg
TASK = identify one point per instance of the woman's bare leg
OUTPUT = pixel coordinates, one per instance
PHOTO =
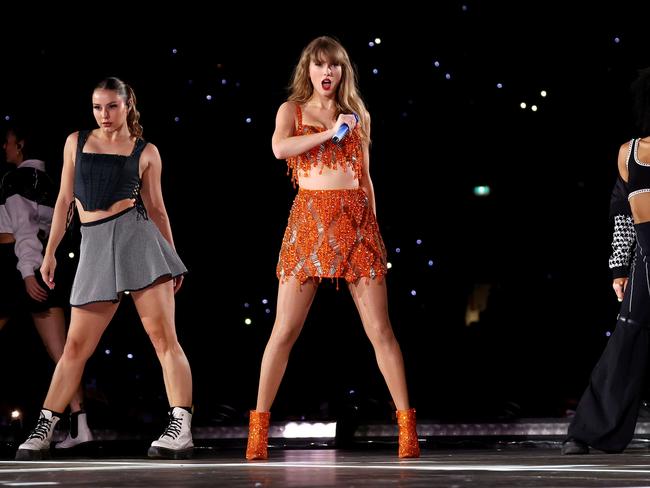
(87, 324)
(294, 301)
(50, 326)
(156, 306)
(370, 298)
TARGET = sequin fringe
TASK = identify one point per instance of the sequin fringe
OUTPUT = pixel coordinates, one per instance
(332, 234)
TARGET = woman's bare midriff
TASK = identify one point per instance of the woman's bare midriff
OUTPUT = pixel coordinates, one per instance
(6, 238)
(94, 215)
(329, 179)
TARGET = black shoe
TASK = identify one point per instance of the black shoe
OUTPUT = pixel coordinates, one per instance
(574, 446)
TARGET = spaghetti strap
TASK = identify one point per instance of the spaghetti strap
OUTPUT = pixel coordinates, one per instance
(299, 115)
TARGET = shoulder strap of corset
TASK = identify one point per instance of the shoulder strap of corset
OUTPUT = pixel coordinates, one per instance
(81, 140)
(138, 148)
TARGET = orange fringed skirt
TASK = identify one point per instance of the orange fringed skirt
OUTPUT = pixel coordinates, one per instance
(332, 234)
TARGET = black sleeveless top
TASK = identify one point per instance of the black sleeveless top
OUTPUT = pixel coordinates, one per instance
(638, 180)
(100, 180)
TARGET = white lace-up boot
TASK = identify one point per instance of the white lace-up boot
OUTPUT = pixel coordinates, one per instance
(37, 445)
(79, 431)
(176, 441)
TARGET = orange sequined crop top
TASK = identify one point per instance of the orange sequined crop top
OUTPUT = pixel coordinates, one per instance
(348, 153)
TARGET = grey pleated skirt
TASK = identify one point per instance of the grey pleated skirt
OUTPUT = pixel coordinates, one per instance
(123, 252)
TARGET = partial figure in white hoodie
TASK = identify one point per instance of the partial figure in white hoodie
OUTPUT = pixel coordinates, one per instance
(27, 196)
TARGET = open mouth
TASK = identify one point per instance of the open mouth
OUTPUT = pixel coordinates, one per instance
(326, 84)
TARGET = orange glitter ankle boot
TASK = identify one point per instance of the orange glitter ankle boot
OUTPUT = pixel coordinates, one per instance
(258, 435)
(408, 437)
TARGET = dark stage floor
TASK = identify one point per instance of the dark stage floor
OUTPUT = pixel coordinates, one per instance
(521, 467)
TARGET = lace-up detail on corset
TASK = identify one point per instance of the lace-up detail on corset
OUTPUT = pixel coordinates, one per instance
(69, 216)
(139, 204)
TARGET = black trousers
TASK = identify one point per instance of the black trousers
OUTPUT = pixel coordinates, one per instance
(14, 297)
(608, 410)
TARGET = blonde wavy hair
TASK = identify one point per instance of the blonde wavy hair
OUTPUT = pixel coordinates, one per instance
(348, 99)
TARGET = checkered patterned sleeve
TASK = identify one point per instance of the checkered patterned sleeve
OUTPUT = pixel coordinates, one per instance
(624, 237)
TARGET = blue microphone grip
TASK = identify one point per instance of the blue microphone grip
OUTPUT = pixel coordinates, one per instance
(342, 132)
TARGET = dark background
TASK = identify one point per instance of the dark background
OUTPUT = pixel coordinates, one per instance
(540, 240)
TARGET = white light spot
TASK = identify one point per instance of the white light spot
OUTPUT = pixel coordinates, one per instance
(398, 250)
(371, 44)
(430, 263)
(543, 93)
(617, 40)
(436, 64)
(248, 120)
(107, 352)
(264, 301)
(418, 242)
(320, 430)
(224, 81)
(389, 265)
(129, 355)
(608, 333)
(522, 104)
(377, 40)
(177, 119)
(246, 304)
(375, 71)
(499, 85)
(413, 293)
(71, 255)
(15, 414)
(248, 321)
(208, 97)
(174, 51)
(448, 76)
(533, 108)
